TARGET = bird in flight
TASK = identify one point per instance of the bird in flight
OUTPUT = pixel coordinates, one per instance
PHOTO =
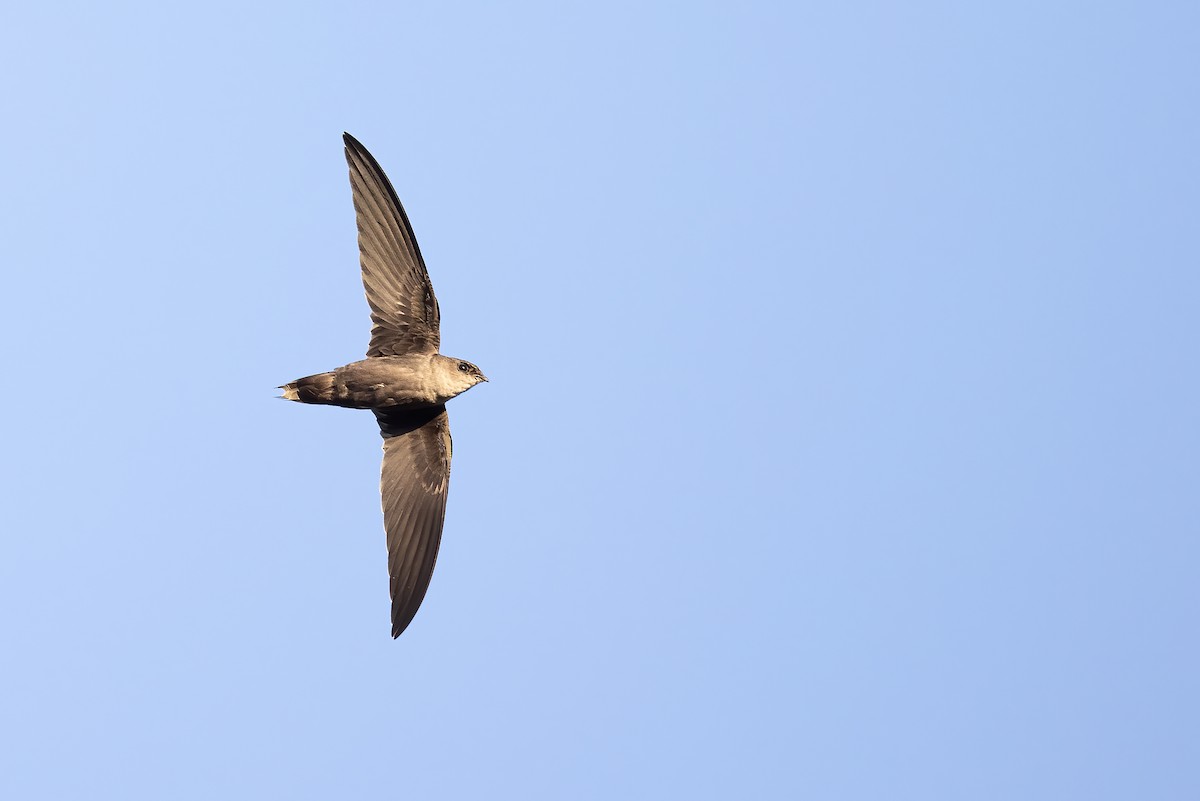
(403, 380)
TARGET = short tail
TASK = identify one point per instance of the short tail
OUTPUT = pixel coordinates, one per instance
(313, 389)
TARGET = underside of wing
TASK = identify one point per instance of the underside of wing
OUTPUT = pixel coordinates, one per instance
(404, 311)
(415, 477)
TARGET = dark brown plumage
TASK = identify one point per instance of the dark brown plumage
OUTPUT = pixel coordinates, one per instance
(415, 477)
(404, 310)
(404, 380)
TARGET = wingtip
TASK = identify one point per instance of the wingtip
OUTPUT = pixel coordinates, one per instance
(399, 626)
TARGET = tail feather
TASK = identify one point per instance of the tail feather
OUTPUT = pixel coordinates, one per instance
(312, 389)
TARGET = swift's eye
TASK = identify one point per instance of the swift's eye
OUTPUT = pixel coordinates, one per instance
(466, 368)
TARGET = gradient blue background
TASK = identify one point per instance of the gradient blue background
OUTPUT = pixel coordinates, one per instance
(842, 440)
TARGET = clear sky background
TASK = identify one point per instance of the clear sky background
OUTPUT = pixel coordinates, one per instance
(843, 432)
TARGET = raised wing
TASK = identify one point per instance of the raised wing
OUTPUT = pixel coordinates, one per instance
(415, 477)
(404, 311)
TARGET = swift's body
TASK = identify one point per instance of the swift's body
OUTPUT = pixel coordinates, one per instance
(403, 380)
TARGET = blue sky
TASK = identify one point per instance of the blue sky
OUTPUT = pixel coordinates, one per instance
(841, 440)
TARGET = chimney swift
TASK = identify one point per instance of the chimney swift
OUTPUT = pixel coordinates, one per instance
(403, 380)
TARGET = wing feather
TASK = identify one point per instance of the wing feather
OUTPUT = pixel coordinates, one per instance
(404, 311)
(413, 485)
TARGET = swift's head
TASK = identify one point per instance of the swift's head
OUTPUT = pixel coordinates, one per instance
(456, 376)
